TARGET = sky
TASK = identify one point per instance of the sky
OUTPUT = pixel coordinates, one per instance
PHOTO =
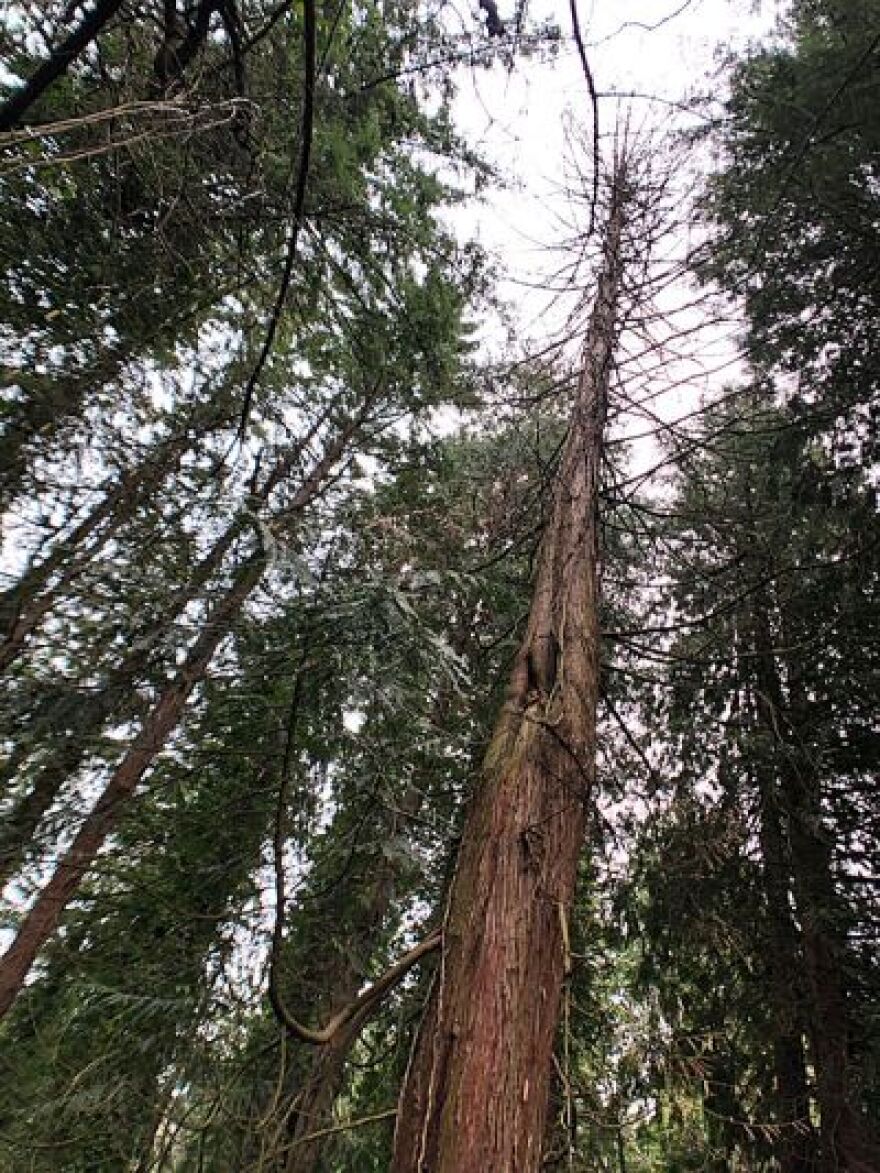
(658, 53)
(656, 49)
(521, 118)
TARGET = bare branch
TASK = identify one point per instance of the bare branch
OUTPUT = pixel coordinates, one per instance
(594, 102)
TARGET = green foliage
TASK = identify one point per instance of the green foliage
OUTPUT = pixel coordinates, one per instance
(796, 207)
(347, 706)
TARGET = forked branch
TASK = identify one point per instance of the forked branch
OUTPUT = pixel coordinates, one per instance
(362, 1004)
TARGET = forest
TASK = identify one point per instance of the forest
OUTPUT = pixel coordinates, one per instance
(431, 743)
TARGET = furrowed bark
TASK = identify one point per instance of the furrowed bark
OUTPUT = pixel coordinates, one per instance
(313, 1107)
(43, 918)
(475, 1095)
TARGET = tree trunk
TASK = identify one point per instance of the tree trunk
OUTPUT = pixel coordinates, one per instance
(797, 1148)
(313, 1106)
(845, 1137)
(308, 1106)
(112, 702)
(475, 1095)
(25, 604)
(114, 699)
(43, 918)
(798, 1144)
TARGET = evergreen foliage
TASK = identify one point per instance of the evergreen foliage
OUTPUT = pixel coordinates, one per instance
(271, 524)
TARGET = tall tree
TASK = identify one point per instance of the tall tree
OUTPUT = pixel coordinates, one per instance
(468, 1100)
(765, 567)
(794, 217)
(368, 337)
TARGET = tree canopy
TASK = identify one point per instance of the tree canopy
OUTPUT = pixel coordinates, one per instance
(395, 774)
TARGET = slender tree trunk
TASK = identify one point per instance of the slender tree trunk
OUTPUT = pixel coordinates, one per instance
(33, 422)
(797, 1147)
(311, 1106)
(308, 1105)
(43, 918)
(25, 605)
(798, 1144)
(28, 601)
(114, 700)
(846, 1139)
(475, 1095)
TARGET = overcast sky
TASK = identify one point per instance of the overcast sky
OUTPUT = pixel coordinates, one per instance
(657, 49)
(666, 49)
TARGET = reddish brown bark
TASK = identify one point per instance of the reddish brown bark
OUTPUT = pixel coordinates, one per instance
(43, 918)
(313, 1105)
(475, 1096)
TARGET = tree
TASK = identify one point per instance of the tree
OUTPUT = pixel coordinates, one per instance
(260, 840)
(385, 288)
(792, 210)
(767, 921)
(468, 1102)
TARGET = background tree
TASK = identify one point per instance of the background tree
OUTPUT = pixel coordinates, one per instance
(251, 598)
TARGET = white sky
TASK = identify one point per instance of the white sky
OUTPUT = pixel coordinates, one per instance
(521, 118)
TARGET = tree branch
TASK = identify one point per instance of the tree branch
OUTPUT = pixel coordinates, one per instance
(344, 1126)
(310, 37)
(594, 102)
(18, 103)
(362, 1003)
